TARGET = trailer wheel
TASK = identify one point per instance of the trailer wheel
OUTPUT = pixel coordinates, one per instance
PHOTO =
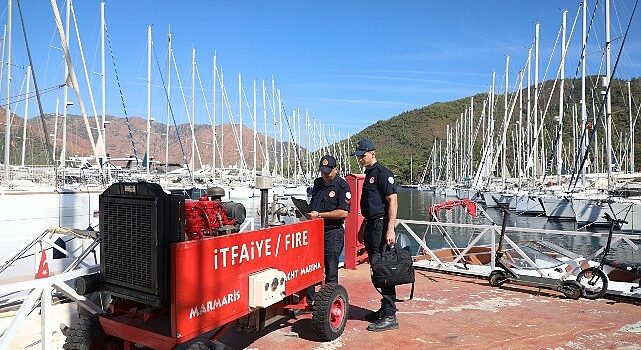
(572, 289)
(594, 283)
(87, 334)
(497, 278)
(331, 308)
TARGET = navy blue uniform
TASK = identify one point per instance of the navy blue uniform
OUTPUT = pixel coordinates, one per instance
(326, 198)
(378, 184)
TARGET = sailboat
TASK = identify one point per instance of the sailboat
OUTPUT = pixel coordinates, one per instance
(411, 184)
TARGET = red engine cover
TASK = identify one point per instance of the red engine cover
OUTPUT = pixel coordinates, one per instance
(205, 217)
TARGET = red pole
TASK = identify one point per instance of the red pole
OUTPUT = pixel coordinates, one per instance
(354, 249)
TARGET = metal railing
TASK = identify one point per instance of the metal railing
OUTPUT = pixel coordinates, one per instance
(484, 236)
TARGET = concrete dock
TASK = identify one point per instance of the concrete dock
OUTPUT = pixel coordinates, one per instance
(458, 312)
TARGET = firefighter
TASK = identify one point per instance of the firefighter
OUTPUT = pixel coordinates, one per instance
(330, 201)
(379, 206)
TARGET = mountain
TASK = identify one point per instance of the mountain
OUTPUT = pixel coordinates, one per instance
(120, 144)
(411, 133)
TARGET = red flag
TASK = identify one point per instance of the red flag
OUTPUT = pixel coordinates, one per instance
(43, 269)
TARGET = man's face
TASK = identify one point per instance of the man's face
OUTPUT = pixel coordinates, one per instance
(331, 175)
(366, 159)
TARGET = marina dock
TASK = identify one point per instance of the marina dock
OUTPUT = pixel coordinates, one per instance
(448, 312)
(458, 312)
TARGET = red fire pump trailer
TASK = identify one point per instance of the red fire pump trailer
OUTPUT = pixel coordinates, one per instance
(175, 273)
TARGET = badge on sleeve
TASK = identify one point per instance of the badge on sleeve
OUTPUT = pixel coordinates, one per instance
(331, 194)
(371, 180)
(390, 179)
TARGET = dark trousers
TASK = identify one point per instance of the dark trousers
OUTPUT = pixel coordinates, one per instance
(334, 242)
(375, 240)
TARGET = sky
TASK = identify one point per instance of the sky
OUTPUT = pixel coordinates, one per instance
(347, 63)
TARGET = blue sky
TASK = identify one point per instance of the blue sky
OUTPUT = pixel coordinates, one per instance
(349, 63)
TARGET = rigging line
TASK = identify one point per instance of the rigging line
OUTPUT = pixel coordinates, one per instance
(25, 99)
(190, 116)
(224, 99)
(604, 99)
(46, 90)
(217, 149)
(171, 111)
(122, 97)
(616, 11)
(48, 148)
(583, 46)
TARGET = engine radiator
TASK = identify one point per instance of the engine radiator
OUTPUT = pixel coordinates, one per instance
(138, 221)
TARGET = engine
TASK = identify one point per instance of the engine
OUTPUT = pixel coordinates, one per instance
(138, 223)
(209, 216)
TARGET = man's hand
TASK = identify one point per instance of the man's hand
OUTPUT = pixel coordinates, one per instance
(391, 237)
(312, 214)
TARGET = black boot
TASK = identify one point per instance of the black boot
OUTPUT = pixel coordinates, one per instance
(374, 316)
(384, 324)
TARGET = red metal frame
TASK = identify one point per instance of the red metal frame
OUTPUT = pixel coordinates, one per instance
(355, 252)
(469, 205)
(210, 283)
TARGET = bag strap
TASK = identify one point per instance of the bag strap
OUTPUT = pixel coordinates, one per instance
(380, 291)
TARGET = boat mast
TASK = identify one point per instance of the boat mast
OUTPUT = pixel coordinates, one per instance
(63, 151)
(519, 126)
(505, 126)
(55, 129)
(240, 121)
(168, 100)
(254, 120)
(222, 122)
(4, 41)
(26, 118)
(608, 110)
(584, 113)
(192, 122)
(148, 156)
(266, 150)
(274, 124)
(631, 156)
(7, 115)
(213, 126)
(537, 162)
(103, 76)
(528, 117)
(559, 144)
(280, 126)
(471, 140)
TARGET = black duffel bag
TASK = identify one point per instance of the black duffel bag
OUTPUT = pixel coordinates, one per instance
(392, 267)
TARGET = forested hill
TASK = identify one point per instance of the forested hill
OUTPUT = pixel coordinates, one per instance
(411, 133)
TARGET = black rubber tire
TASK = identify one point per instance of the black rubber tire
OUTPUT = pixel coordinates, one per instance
(572, 289)
(330, 326)
(208, 345)
(594, 283)
(497, 278)
(87, 334)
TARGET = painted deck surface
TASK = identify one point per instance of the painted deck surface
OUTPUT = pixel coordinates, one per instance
(457, 312)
